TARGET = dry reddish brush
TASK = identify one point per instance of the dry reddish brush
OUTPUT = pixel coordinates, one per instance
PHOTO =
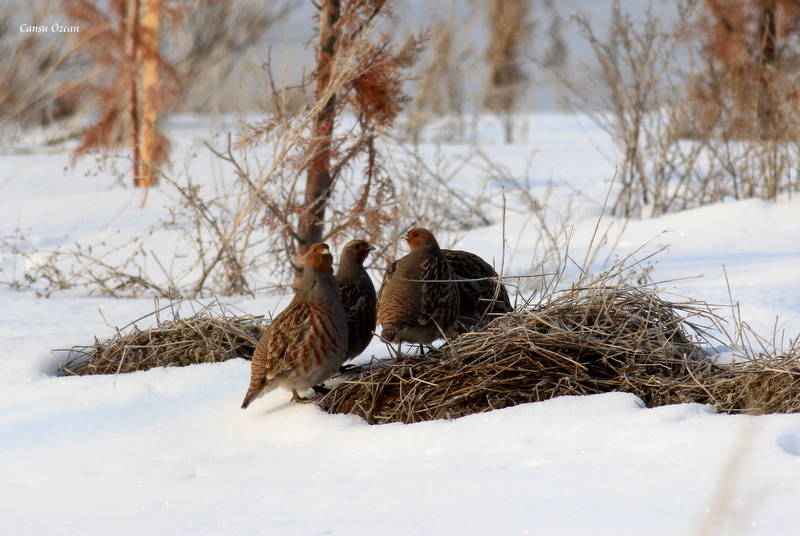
(132, 82)
(702, 107)
(750, 56)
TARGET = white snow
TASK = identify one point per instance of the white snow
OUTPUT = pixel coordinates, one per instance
(168, 451)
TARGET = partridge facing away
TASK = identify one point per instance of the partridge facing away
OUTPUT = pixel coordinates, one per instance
(358, 296)
(481, 293)
(418, 300)
(307, 342)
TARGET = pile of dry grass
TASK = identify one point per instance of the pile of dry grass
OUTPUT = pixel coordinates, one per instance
(211, 335)
(582, 341)
(594, 338)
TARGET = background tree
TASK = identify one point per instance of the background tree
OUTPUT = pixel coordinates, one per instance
(440, 90)
(134, 85)
(752, 53)
(354, 70)
(145, 89)
(132, 81)
(510, 35)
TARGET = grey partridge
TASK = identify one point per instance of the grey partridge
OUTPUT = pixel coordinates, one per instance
(418, 300)
(358, 296)
(306, 343)
(481, 293)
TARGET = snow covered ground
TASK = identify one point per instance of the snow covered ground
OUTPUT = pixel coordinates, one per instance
(168, 451)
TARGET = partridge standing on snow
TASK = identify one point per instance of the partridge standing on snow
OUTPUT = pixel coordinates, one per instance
(481, 294)
(358, 296)
(307, 342)
(418, 300)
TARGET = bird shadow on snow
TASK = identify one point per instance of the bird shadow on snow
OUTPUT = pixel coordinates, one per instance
(790, 444)
(280, 403)
(53, 365)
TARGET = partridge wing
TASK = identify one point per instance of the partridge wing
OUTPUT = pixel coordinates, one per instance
(488, 294)
(360, 308)
(440, 299)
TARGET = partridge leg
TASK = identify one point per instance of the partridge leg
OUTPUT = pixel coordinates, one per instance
(299, 399)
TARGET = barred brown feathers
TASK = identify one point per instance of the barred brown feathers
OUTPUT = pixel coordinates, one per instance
(306, 343)
(418, 301)
(482, 294)
(358, 296)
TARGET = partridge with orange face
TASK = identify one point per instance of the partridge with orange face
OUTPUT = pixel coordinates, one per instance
(482, 295)
(418, 300)
(307, 342)
(358, 296)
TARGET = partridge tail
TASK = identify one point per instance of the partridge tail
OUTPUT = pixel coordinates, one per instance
(388, 333)
(257, 390)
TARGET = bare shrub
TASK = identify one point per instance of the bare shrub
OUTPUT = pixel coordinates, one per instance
(115, 267)
(232, 232)
(430, 193)
(220, 243)
(633, 78)
(672, 153)
(215, 40)
(239, 227)
(441, 88)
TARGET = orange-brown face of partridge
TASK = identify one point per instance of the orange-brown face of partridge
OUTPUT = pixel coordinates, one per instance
(418, 237)
(319, 256)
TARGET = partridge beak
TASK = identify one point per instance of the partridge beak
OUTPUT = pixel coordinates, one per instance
(325, 251)
(404, 236)
(370, 247)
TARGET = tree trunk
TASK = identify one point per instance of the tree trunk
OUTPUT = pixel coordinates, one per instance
(768, 37)
(509, 34)
(148, 52)
(318, 174)
(132, 46)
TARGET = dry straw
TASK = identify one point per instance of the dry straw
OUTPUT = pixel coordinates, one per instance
(598, 336)
(581, 341)
(211, 335)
